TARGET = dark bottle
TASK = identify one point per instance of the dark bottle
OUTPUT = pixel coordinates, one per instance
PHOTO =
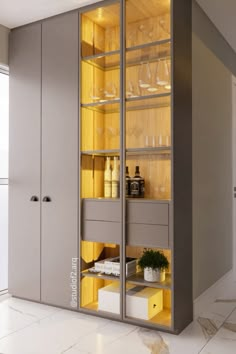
(127, 182)
(137, 185)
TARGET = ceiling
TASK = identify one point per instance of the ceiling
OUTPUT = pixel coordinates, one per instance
(222, 13)
(14, 13)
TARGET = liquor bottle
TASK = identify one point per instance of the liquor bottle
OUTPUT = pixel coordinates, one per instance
(127, 182)
(137, 185)
(107, 179)
(115, 179)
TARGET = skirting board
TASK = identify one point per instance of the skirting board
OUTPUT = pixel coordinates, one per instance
(224, 288)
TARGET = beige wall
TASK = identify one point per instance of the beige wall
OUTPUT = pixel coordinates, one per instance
(212, 184)
(4, 33)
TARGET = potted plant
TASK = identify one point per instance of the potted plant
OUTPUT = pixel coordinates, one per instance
(154, 264)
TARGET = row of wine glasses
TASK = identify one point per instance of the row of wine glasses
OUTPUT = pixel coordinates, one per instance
(152, 80)
(146, 32)
(100, 94)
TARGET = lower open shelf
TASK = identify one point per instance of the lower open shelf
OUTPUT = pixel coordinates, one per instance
(163, 318)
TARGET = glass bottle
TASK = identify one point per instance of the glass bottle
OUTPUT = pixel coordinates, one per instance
(137, 185)
(115, 179)
(107, 178)
(127, 182)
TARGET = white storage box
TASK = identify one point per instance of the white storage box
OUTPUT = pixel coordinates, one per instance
(112, 266)
(141, 302)
(109, 298)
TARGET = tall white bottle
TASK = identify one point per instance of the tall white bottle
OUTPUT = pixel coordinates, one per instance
(107, 178)
(115, 178)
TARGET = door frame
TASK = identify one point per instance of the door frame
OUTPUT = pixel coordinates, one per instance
(234, 173)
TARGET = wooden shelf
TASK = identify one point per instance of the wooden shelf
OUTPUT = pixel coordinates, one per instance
(100, 275)
(163, 150)
(134, 55)
(112, 152)
(138, 279)
(132, 103)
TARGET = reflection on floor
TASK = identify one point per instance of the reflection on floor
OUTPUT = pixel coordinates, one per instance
(30, 328)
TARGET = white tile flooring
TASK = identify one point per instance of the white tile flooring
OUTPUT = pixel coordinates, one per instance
(30, 328)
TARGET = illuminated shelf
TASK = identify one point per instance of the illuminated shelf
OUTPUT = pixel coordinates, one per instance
(132, 103)
(135, 55)
(163, 150)
(138, 279)
(148, 101)
(113, 152)
(104, 106)
(100, 275)
(162, 319)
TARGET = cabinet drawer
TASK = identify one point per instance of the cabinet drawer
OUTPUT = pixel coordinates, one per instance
(101, 231)
(148, 235)
(153, 213)
(102, 210)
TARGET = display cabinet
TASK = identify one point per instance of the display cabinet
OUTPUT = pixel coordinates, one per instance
(135, 117)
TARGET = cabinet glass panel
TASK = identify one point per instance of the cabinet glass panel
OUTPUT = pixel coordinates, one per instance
(148, 144)
(147, 22)
(100, 101)
(101, 30)
(100, 277)
(148, 300)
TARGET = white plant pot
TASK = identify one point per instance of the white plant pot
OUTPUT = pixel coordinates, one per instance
(154, 275)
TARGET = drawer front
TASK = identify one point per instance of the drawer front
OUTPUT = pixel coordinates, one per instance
(148, 235)
(101, 210)
(101, 231)
(148, 213)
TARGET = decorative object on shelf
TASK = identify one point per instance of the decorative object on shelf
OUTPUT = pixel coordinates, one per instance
(127, 182)
(137, 185)
(111, 266)
(115, 179)
(154, 264)
(107, 179)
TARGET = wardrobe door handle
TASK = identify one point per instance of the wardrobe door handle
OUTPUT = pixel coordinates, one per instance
(34, 198)
(47, 199)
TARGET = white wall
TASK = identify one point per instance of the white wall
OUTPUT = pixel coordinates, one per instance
(212, 166)
(4, 34)
(3, 237)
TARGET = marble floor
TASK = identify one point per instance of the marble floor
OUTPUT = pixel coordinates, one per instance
(30, 328)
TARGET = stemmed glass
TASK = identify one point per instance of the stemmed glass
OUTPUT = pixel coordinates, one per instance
(144, 76)
(162, 73)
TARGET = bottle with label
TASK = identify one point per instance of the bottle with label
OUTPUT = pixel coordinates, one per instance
(107, 178)
(137, 185)
(127, 182)
(115, 179)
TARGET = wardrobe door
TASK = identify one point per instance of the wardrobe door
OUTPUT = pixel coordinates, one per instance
(59, 157)
(24, 164)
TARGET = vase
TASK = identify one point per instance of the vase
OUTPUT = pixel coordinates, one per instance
(153, 275)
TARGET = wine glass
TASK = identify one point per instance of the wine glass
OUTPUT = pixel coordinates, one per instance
(110, 91)
(144, 76)
(147, 32)
(162, 73)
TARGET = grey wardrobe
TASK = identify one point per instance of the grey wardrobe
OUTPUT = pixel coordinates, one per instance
(43, 159)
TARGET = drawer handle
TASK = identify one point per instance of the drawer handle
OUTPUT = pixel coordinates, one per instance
(34, 198)
(47, 199)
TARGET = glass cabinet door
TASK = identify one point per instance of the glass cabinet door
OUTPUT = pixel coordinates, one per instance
(148, 145)
(100, 159)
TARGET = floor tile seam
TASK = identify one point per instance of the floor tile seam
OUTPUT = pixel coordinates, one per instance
(28, 325)
(211, 338)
